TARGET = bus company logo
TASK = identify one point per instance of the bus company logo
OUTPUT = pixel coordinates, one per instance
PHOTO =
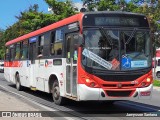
(20, 64)
(48, 63)
(119, 85)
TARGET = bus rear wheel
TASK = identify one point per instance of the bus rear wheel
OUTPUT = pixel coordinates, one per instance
(18, 83)
(59, 100)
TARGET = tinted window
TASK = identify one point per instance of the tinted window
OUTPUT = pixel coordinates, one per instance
(7, 54)
(18, 48)
(40, 45)
(56, 42)
(24, 50)
(12, 52)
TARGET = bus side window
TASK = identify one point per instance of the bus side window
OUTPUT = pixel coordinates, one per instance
(12, 52)
(40, 46)
(18, 48)
(7, 57)
(24, 50)
(52, 42)
(158, 62)
(56, 42)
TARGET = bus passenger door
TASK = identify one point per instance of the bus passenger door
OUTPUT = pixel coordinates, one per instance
(71, 64)
(32, 57)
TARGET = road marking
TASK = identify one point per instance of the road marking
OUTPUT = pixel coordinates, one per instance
(140, 106)
(45, 107)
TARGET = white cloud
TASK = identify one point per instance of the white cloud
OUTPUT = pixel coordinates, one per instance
(79, 5)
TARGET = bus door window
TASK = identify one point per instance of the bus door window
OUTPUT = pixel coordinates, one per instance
(68, 49)
(40, 46)
(72, 48)
(71, 59)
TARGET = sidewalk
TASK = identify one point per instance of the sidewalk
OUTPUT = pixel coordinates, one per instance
(11, 103)
(156, 88)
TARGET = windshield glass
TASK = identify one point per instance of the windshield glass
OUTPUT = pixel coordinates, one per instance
(116, 49)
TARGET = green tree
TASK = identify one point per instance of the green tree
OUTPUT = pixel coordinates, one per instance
(61, 9)
(2, 42)
(109, 5)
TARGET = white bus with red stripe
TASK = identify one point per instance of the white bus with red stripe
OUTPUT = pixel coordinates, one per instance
(157, 63)
(88, 56)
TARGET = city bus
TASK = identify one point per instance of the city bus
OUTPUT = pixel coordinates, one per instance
(156, 64)
(90, 56)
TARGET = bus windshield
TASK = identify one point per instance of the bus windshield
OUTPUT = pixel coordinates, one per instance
(116, 49)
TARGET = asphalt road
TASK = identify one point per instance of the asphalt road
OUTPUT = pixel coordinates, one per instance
(90, 110)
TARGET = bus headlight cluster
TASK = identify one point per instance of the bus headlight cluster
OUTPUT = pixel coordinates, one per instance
(147, 82)
(91, 83)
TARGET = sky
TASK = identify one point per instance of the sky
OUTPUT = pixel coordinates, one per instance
(11, 8)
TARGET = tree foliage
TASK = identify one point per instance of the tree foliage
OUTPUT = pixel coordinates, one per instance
(61, 9)
(2, 42)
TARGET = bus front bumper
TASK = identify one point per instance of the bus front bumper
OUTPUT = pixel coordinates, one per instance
(86, 93)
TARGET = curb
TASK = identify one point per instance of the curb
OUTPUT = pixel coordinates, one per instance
(156, 88)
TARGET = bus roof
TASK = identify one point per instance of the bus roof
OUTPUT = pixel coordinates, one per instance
(74, 18)
(63, 22)
(114, 12)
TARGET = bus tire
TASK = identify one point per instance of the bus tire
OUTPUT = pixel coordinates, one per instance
(59, 100)
(18, 83)
(109, 102)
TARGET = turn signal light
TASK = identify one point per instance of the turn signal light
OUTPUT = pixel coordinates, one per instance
(146, 82)
(143, 84)
(91, 83)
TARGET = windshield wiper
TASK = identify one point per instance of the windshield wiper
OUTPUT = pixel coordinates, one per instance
(105, 35)
(131, 36)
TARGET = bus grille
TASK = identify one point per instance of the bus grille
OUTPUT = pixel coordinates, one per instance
(115, 85)
(118, 78)
(118, 93)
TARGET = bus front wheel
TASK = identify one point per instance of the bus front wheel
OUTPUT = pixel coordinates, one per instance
(18, 83)
(59, 100)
